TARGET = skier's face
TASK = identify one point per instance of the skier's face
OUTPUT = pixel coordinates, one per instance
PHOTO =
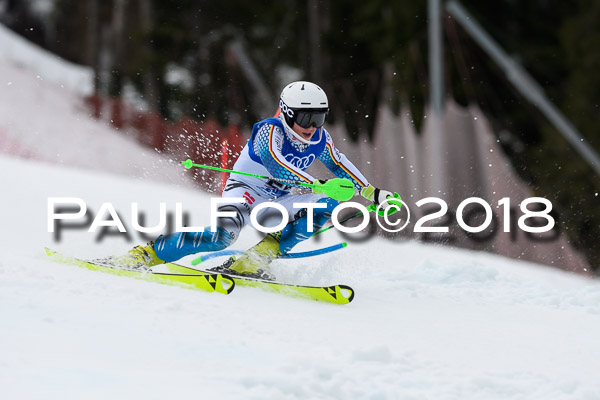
(306, 133)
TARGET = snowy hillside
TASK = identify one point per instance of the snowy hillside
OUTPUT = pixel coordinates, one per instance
(427, 322)
(45, 65)
(43, 117)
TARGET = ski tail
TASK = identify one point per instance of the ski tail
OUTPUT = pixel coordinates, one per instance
(178, 275)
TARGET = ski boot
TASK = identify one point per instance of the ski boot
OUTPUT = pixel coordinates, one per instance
(255, 262)
(138, 258)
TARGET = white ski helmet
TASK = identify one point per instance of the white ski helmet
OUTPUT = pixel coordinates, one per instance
(306, 104)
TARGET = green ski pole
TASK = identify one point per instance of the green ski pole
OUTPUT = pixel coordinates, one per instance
(338, 188)
(371, 207)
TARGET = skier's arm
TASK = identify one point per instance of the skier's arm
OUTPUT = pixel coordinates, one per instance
(337, 163)
(340, 166)
(268, 143)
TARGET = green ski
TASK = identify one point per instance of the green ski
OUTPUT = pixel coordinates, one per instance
(180, 275)
(338, 294)
(177, 276)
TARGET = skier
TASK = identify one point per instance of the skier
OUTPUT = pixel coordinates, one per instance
(281, 147)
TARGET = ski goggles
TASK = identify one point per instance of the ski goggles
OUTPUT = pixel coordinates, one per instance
(306, 119)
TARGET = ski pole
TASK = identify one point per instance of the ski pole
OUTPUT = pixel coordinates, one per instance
(340, 189)
(371, 207)
(303, 254)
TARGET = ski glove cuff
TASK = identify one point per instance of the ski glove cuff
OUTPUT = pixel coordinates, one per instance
(375, 195)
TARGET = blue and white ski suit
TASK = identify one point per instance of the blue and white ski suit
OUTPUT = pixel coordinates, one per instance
(271, 152)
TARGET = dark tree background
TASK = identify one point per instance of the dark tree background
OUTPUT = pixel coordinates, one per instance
(362, 53)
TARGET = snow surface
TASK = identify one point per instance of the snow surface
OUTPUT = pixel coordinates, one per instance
(427, 322)
(46, 65)
(43, 117)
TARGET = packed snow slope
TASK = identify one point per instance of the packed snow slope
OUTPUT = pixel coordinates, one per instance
(43, 117)
(45, 65)
(427, 322)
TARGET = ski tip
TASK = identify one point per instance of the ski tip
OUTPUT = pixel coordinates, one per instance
(347, 292)
(339, 294)
(226, 282)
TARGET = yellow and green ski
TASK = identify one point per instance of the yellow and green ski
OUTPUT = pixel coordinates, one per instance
(187, 277)
(206, 281)
(338, 294)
